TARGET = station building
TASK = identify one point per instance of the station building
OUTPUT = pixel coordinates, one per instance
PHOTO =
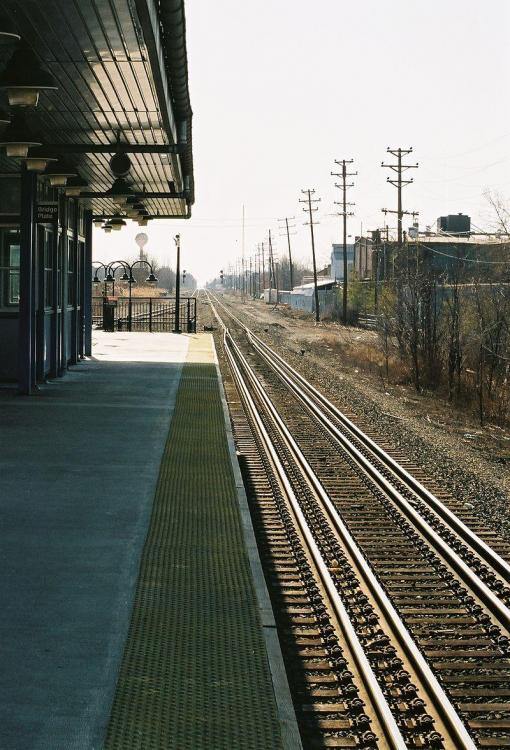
(95, 126)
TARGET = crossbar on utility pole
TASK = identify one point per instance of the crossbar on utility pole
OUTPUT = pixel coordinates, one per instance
(309, 200)
(399, 183)
(344, 174)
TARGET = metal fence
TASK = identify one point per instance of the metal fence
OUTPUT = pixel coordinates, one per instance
(143, 313)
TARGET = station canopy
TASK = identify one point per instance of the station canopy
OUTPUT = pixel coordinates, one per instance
(120, 68)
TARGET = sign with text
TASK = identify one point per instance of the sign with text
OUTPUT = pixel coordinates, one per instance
(47, 212)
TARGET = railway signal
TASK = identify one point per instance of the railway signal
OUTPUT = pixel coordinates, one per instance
(184, 277)
(221, 277)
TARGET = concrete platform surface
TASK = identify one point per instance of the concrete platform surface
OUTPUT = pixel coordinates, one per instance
(79, 463)
(90, 467)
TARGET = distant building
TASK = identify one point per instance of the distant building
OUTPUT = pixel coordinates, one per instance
(363, 257)
(337, 261)
(455, 224)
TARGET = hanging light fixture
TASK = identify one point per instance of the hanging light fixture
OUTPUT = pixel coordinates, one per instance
(17, 137)
(59, 172)
(120, 164)
(74, 186)
(107, 227)
(151, 279)
(120, 191)
(98, 222)
(38, 163)
(24, 78)
(9, 36)
(117, 222)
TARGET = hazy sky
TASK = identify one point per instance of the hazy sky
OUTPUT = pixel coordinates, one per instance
(281, 88)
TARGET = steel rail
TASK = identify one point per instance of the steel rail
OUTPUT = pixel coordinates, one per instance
(484, 593)
(384, 713)
(487, 553)
(435, 693)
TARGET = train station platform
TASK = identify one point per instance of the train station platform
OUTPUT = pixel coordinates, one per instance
(134, 612)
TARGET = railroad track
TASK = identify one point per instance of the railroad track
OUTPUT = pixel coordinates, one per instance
(415, 603)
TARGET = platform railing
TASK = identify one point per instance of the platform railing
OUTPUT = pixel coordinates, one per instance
(149, 314)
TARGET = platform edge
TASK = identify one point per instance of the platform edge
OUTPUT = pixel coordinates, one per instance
(291, 738)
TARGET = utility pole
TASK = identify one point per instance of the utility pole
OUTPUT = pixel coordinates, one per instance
(288, 233)
(309, 200)
(263, 269)
(271, 269)
(243, 297)
(344, 174)
(399, 183)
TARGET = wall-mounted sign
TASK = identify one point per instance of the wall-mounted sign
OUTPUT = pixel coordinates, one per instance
(47, 212)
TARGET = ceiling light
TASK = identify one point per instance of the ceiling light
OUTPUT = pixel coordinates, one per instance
(74, 186)
(17, 138)
(97, 222)
(59, 172)
(117, 222)
(24, 78)
(120, 191)
(38, 163)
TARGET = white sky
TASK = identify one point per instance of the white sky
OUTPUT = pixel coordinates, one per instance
(281, 88)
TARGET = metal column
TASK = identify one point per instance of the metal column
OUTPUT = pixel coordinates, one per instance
(26, 374)
(87, 284)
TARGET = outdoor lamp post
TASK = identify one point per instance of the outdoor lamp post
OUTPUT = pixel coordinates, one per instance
(177, 240)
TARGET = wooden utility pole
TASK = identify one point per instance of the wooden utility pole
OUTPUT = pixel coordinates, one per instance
(288, 233)
(344, 174)
(271, 269)
(399, 183)
(309, 200)
(263, 268)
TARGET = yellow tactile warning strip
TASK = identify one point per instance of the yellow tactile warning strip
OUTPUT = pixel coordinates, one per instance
(194, 672)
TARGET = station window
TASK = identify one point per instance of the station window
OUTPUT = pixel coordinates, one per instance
(71, 271)
(9, 269)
